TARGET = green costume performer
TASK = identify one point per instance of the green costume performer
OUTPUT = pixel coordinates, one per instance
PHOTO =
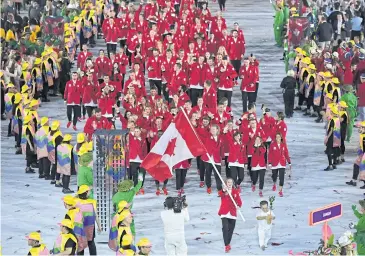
(278, 23)
(359, 236)
(288, 56)
(85, 172)
(126, 192)
(351, 101)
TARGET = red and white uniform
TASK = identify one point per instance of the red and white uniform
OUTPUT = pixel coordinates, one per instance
(81, 59)
(235, 48)
(103, 66)
(226, 77)
(214, 147)
(176, 81)
(249, 78)
(278, 155)
(258, 158)
(89, 94)
(227, 208)
(137, 149)
(155, 64)
(73, 92)
(196, 72)
(237, 154)
(210, 99)
(102, 123)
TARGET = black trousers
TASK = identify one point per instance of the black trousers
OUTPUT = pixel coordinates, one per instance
(66, 181)
(31, 158)
(2, 101)
(76, 109)
(158, 183)
(135, 170)
(180, 178)
(53, 171)
(156, 83)
(256, 91)
(225, 94)
(222, 4)
(89, 110)
(247, 98)
(355, 172)
(208, 175)
(236, 65)
(281, 172)
(201, 166)
(309, 102)
(267, 146)
(44, 166)
(194, 95)
(289, 96)
(227, 229)
(301, 99)
(111, 48)
(228, 169)
(237, 174)
(45, 91)
(164, 92)
(122, 43)
(255, 175)
(56, 85)
(91, 246)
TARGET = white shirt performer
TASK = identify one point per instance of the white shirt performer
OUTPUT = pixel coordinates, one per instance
(174, 222)
(264, 219)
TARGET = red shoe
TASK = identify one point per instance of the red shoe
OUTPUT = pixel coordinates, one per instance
(274, 187)
(209, 190)
(227, 249)
(253, 187)
(224, 9)
(83, 118)
(219, 195)
(79, 119)
(202, 184)
(281, 193)
(158, 192)
(182, 191)
(260, 194)
(68, 125)
(141, 191)
(165, 191)
(74, 127)
(179, 192)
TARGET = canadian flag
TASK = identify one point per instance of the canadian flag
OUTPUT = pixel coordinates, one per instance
(178, 143)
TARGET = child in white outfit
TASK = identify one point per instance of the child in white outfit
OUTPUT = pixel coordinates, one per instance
(264, 219)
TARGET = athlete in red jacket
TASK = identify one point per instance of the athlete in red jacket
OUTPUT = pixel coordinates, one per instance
(72, 97)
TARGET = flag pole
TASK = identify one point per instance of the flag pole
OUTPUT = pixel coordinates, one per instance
(214, 167)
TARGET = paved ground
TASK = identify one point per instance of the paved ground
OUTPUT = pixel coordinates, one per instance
(30, 204)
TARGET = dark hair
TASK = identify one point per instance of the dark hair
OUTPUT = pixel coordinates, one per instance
(281, 115)
(83, 196)
(251, 106)
(169, 202)
(97, 110)
(263, 202)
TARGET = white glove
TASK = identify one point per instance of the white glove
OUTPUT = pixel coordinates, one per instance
(140, 177)
(351, 225)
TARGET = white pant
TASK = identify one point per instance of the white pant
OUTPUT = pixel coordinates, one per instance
(264, 236)
(176, 246)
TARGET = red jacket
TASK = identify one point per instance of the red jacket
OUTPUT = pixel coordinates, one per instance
(268, 125)
(104, 66)
(133, 109)
(227, 205)
(182, 165)
(280, 127)
(237, 153)
(102, 123)
(106, 103)
(137, 148)
(168, 69)
(250, 137)
(176, 81)
(182, 40)
(249, 78)
(212, 46)
(210, 98)
(201, 49)
(235, 48)
(278, 155)
(112, 33)
(214, 148)
(152, 100)
(123, 25)
(81, 59)
(73, 92)
(226, 77)
(155, 64)
(258, 157)
(222, 120)
(211, 74)
(122, 61)
(90, 91)
(196, 72)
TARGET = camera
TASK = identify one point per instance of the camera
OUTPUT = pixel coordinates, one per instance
(175, 203)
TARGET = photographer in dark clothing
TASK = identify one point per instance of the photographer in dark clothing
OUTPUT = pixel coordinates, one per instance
(288, 84)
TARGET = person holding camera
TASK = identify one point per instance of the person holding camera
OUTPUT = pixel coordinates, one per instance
(228, 211)
(174, 218)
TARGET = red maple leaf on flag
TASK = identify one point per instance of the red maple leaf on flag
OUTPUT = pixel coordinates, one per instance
(170, 147)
